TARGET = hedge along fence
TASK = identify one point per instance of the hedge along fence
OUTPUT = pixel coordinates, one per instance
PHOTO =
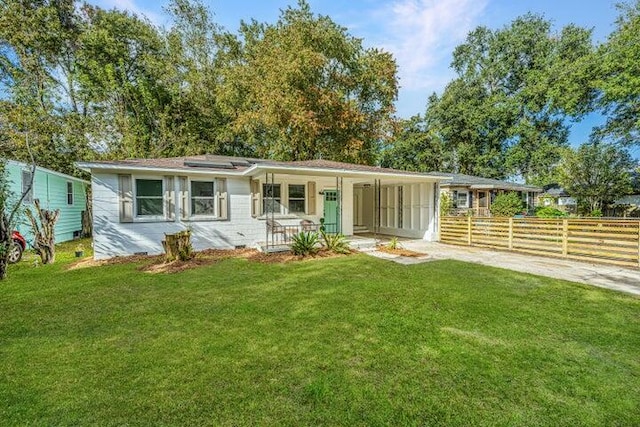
(607, 241)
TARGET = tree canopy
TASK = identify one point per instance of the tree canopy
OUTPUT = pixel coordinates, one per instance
(303, 88)
(619, 77)
(88, 83)
(505, 112)
(92, 83)
(596, 174)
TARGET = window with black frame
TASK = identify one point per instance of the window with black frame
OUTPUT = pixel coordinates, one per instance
(272, 200)
(297, 198)
(203, 198)
(149, 200)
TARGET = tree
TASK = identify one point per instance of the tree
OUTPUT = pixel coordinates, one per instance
(43, 226)
(619, 82)
(505, 113)
(596, 174)
(38, 76)
(414, 148)
(303, 88)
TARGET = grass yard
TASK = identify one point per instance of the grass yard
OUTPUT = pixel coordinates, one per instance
(338, 341)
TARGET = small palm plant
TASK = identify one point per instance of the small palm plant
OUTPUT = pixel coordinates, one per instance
(393, 244)
(336, 243)
(305, 243)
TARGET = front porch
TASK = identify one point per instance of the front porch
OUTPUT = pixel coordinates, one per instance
(348, 203)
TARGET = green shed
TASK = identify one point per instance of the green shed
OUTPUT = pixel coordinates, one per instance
(55, 190)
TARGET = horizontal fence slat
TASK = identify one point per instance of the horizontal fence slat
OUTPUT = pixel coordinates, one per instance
(609, 241)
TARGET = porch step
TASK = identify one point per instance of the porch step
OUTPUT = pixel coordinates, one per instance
(360, 229)
(362, 244)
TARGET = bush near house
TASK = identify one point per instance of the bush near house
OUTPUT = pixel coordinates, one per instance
(507, 204)
(550, 212)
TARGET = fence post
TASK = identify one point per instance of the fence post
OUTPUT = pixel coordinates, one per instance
(469, 230)
(510, 234)
(638, 244)
(565, 237)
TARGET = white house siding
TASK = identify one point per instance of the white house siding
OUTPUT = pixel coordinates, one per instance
(114, 238)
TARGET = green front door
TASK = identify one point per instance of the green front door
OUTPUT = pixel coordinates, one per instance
(331, 211)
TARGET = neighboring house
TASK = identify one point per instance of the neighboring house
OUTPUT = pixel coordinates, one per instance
(232, 202)
(627, 206)
(554, 195)
(475, 194)
(54, 190)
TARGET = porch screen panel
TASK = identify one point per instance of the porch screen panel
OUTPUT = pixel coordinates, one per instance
(400, 204)
(424, 207)
(391, 208)
(415, 206)
(383, 206)
(406, 206)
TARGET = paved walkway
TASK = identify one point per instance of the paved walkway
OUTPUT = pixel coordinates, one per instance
(605, 276)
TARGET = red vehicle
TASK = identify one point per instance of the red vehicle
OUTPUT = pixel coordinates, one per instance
(16, 249)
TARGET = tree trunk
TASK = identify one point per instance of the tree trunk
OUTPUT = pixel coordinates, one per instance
(44, 234)
(87, 215)
(178, 246)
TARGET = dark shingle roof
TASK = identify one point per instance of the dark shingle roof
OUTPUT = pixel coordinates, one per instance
(462, 180)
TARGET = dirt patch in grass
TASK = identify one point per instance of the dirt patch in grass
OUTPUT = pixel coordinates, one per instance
(400, 251)
(90, 262)
(280, 257)
(202, 258)
(157, 264)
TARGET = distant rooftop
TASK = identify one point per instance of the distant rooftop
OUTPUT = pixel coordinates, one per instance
(478, 182)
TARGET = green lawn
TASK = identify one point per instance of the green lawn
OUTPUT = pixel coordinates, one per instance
(340, 341)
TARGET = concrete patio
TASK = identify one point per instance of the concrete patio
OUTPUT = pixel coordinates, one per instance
(604, 276)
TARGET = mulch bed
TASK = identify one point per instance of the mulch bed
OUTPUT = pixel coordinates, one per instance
(157, 263)
(400, 251)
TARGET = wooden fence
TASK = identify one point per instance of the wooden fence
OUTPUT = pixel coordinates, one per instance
(602, 240)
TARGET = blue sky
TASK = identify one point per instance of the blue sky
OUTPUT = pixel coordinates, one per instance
(420, 33)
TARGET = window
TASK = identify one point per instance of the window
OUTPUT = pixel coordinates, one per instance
(272, 198)
(296, 198)
(149, 200)
(69, 193)
(26, 180)
(461, 199)
(203, 198)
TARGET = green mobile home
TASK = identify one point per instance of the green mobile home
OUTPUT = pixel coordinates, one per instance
(55, 190)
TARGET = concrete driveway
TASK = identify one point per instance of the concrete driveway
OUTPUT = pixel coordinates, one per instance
(605, 276)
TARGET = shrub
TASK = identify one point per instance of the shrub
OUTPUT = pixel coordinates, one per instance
(393, 243)
(336, 243)
(550, 212)
(507, 204)
(596, 213)
(446, 204)
(305, 243)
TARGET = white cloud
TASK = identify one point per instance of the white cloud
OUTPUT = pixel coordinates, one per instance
(423, 33)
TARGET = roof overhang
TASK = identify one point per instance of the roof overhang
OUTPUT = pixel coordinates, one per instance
(504, 187)
(261, 168)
